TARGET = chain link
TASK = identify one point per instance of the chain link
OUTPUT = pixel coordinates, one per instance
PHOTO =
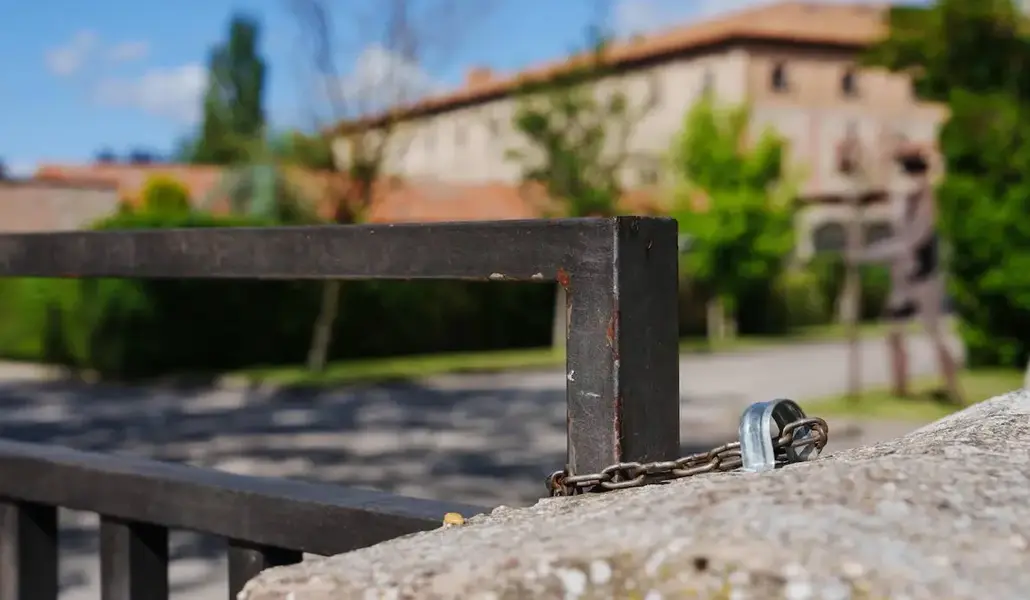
(722, 458)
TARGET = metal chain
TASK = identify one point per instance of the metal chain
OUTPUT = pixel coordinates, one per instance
(723, 458)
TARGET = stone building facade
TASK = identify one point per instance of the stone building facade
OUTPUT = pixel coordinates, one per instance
(794, 63)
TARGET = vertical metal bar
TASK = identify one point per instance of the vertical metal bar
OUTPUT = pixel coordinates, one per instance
(247, 560)
(28, 551)
(623, 350)
(133, 560)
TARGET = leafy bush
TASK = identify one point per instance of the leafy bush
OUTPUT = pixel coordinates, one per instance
(876, 287)
(165, 195)
(794, 300)
(803, 299)
(983, 208)
(829, 272)
(693, 315)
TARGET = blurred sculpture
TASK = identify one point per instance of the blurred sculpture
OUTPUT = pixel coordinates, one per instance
(917, 280)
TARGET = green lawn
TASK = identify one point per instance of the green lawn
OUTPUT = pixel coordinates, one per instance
(977, 385)
(407, 367)
(415, 367)
(816, 333)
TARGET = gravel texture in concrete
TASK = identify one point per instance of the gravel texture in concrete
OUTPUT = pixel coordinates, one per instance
(943, 512)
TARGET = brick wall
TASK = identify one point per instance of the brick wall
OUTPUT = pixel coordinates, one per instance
(35, 206)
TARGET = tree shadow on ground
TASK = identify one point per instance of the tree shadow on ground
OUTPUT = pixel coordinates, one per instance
(486, 446)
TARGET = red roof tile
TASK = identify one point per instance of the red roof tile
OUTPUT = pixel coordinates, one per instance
(850, 25)
(392, 201)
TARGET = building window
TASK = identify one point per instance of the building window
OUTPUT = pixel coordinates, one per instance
(829, 237)
(648, 176)
(778, 78)
(878, 231)
(849, 83)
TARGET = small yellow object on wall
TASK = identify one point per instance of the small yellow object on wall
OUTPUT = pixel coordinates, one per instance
(453, 519)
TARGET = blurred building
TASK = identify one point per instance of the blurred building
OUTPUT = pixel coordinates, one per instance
(794, 62)
(30, 205)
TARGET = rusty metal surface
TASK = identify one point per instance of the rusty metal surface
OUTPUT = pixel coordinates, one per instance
(499, 251)
(623, 350)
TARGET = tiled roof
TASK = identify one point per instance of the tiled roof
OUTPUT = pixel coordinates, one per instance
(200, 181)
(130, 179)
(851, 25)
(393, 201)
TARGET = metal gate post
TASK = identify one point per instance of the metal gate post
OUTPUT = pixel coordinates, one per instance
(623, 349)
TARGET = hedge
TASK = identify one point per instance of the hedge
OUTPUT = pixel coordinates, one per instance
(829, 273)
(127, 328)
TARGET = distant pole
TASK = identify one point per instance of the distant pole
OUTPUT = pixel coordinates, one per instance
(850, 164)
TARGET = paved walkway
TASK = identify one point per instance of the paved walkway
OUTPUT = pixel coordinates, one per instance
(447, 437)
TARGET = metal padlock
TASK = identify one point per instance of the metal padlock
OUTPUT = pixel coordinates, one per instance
(757, 451)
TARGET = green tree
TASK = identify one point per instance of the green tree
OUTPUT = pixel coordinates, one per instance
(735, 201)
(575, 145)
(234, 114)
(310, 151)
(976, 46)
(576, 137)
(264, 185)
(975, 57)
(165, 195)
(364, 118)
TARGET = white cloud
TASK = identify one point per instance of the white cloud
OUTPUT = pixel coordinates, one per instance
(173, 92)
(19, 169)
(380, 78)
(86, 47)
(68, 58)
(128, 51)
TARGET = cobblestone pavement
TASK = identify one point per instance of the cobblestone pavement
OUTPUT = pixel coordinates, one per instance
(455, 437)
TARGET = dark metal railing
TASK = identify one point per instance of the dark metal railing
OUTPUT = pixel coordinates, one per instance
(622, 386)
(267, 521)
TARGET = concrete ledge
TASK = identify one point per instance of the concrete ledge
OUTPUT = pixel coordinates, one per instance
(941, 513)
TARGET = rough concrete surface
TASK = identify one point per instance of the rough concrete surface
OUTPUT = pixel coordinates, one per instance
(943, 512)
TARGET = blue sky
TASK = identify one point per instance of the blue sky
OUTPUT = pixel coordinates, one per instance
(122, 74)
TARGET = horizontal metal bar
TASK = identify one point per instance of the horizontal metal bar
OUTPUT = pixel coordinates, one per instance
(534, 250)
(308, 517)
